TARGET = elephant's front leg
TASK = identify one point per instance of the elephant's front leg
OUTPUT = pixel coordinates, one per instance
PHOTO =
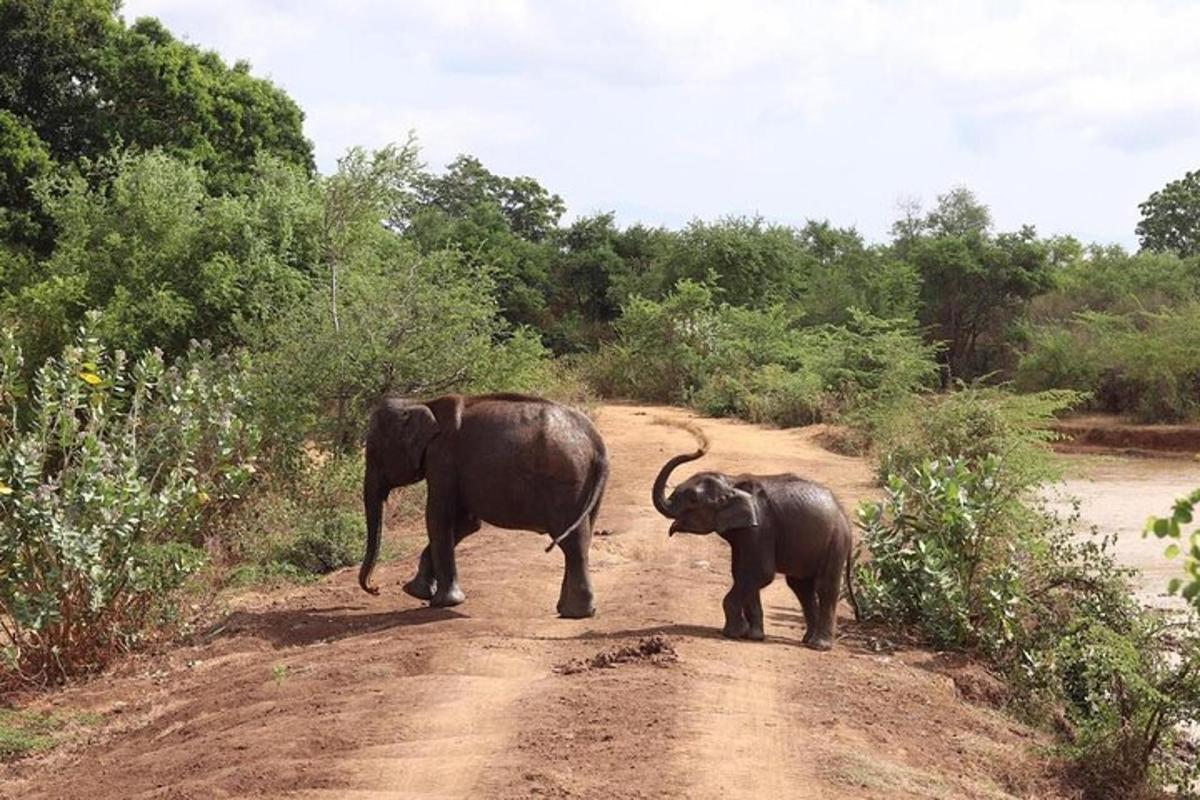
(439, 521)
(754, 616)
(734, 605)
(424, 584)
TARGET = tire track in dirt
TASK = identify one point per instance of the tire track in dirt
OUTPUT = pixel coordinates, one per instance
(459, 736)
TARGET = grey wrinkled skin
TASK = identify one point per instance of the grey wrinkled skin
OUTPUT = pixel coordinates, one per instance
(775, 524)
(509, 460)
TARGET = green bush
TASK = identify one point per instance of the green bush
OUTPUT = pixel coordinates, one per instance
(300, 523)
(139, 238)
(1146, 365)
(108, 470)
(662, 347)
(944, 555)
(1129, 697)
(960, 556)
(335, 542)
(972, 424)
(759, 364)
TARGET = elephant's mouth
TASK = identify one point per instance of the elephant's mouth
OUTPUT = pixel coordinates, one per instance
(684, 525)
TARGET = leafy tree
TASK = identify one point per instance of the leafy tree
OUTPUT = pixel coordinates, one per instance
(1171, 217)
(974, 284)
(53, 71)
(958, 213)
(368, 193)
(583, 302)
(501, 223)
(530, 211)
(750, 262)
(1107, 278)
(165, 261)
(73, 74)
(204, 112)
(24, 159)
(844, 274)
(643, 251)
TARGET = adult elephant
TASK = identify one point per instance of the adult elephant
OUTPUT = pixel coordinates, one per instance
(509, 460)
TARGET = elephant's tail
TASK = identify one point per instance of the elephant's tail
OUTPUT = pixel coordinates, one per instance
(850, 585)
(599, 478)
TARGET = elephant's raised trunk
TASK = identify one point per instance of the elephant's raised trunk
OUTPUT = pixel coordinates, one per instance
(658, 493)
(373, 496)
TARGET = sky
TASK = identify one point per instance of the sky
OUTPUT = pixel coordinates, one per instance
(1063, 115)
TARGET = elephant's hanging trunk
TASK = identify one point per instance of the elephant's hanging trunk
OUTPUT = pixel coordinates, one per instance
(658, 493)
(374, 494)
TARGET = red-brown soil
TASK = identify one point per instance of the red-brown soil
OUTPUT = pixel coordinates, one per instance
(1105, 433)
(326, 692)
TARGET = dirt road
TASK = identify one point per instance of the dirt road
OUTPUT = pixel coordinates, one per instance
(326, 692)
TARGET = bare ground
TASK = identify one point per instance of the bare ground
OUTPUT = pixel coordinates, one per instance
(326, 692)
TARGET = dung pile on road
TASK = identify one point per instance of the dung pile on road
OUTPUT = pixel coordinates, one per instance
(655, 650)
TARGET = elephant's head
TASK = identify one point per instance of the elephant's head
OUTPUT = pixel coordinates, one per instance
(397, 441)
(705, 502)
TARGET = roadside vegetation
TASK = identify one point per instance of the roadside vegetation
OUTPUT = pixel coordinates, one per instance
(195, 323)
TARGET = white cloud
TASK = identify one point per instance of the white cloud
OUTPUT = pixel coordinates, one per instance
(1064, 114)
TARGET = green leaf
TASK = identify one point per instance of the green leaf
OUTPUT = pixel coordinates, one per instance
(1172, 551)
(1173, 585)
(91, 378)
(1162, 528)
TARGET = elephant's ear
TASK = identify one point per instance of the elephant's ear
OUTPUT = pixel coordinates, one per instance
(448, 411)
(420, 426)
(738, 509)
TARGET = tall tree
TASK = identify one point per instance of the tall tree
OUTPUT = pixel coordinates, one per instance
(974, 284)
(53, 70)
(1171, 217)
(82, 83)
(24, 158)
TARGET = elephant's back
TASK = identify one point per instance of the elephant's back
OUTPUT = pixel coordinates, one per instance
(543, 455)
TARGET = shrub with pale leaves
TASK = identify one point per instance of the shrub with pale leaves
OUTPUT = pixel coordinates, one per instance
(108, 471)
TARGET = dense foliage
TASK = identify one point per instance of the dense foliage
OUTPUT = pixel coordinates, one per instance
(962, 552)
(761, 364)
(108, 470)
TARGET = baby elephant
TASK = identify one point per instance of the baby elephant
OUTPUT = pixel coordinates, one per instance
(775, 524)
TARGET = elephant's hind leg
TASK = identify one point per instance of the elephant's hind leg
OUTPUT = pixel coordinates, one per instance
(806, 593)
(828, 588)
(576, 600)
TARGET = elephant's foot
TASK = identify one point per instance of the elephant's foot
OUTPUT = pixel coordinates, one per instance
(420, 588)
(755, 633)
(736, 629)
(808, 636)
(451, 597)
(820, 643)
(576, 607)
